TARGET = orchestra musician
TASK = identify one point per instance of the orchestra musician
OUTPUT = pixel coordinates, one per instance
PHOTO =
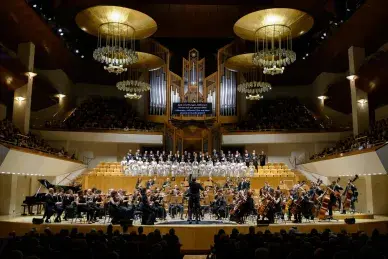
(58, 198)
(350, 195)
(148, 216)
(49, 207)
(68, 204)
(335, 198)
(219, 207)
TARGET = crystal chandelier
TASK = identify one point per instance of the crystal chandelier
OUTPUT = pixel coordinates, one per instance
(273, 48)
(134, 84)
(115, 69)
(133, 96)
(115, 46)
(255, 97)
(252, 83)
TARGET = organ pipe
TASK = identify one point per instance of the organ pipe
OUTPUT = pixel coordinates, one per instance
(158, 89)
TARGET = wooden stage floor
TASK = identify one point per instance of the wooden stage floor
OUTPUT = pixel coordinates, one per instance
(199, 237)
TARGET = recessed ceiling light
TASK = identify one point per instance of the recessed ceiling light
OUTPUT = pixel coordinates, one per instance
(307, 54)
(49, 19)
(300, 33)
(60, 30)
(84, 29)
(82, 56)
(324, 34)
(362, 101)
(34, 6)
(303, 58)
(76, 51)
(61, 34)
(322, 37)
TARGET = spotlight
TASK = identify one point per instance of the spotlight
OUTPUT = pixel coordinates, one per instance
(322, 37)
(362, 101)
(307, 54)
(61, 34)
(324, 34)
(60, 30)
(348, 10)
(82, 56)
(49, 19)
(76, 51)
(34, 6)
(303, 58)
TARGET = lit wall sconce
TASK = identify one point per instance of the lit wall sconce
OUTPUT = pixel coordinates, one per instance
(323, 97)
(352, 77)
(8, 80)
(19, 98)
(30, 74)
(362, 101)
(60, 96)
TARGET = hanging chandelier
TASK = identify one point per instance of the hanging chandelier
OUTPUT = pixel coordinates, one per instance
(272, 30)
(273, 49)
(115, 46)
(133, 96)
(134, 83)
(116, 29)
(254, 97)
(254, 87)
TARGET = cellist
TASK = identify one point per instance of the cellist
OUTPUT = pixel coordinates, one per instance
(351, 195)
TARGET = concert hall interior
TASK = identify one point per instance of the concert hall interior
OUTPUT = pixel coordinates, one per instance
(172, 128)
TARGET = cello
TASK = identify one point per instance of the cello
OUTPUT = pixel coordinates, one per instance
(348, 193)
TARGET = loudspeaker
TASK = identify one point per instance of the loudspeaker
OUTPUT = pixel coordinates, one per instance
(126, 222)
(350, 221)
(37, 221)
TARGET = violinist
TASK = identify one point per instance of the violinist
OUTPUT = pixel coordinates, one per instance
(83, 206)
(176, 206)
(58, 198)
(157, 204)
(68, 204)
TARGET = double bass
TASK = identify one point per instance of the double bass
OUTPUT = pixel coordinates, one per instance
(325, 201)
(348, 194)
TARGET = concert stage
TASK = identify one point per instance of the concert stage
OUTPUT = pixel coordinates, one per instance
(197, 238)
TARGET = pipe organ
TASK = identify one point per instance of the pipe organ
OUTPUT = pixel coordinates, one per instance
(228, 93)
(158, 92)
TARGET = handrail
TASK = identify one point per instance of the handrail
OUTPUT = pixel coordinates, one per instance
(36, 151)
(93, 129)
(349, 152)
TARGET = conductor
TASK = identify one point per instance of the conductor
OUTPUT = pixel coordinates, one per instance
(194, 197)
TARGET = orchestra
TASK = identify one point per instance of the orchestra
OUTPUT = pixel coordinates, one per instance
(231, 199)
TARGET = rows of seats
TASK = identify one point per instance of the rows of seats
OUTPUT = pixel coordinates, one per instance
(108, 169)
(274, 166)
(275, 173)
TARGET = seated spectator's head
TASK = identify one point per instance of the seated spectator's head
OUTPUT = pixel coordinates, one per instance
(262, 253)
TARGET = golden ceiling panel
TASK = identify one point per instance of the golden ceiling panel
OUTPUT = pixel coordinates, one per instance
(89, 20)
(241, 63)
(147, 61)
(298, 21)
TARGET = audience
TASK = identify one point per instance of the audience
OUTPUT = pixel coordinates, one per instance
(93, 245)
(283, 114)
(376, 135)
(12, 135)
(99, 113)
(298, 245)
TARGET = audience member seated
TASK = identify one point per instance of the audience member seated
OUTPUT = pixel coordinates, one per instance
(376, 135)
(293, 244)
(283, 114)
(12, 135)
(93, 245)
(98, 113)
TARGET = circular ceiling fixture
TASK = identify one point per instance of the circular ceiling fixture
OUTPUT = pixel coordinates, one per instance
(251, 78)
(272, 30)
(116, 29)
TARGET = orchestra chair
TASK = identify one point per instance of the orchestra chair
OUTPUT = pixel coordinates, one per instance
(265, 167)
(271, 167)
(78, 216)
(269, 164)
(274, 172)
